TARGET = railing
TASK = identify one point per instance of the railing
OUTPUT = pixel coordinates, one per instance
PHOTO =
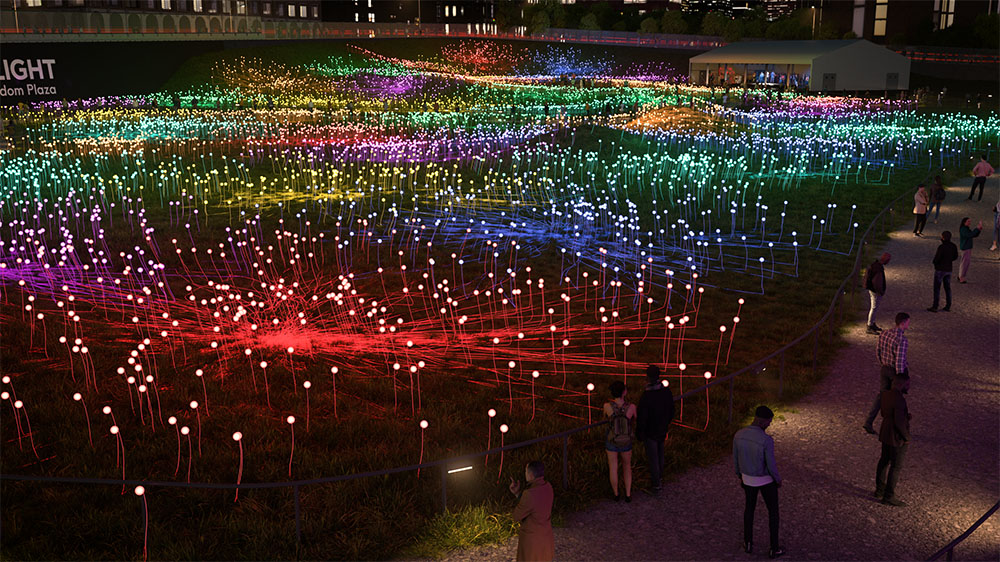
(41, 26)
(444, 465)
(949, 550)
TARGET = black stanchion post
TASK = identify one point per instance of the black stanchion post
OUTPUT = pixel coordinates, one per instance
(298, 517)
(732, 388)
(565, 462)
(781, 374)
(444, 488)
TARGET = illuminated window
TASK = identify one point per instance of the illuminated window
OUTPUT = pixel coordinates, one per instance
(356, 16)
(197, 6)
(33, 3)
(315, 12)
(165, 5)
(371, 17)
(881, 12)
(303, 11)
(291, 11)
(241, 7)
(944, 13)
(266, 9)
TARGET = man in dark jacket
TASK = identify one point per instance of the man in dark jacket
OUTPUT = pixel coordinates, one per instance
(946, 253)
(875, 283)
(655, 411)
(895, 437)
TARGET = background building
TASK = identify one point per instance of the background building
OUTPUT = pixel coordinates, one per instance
(410, 11)
(826, 66)
(881, 21)
(276, 9)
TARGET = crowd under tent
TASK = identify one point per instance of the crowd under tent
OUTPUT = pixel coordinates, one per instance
(816, 66)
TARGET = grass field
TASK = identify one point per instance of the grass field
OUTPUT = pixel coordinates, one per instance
(219, 219)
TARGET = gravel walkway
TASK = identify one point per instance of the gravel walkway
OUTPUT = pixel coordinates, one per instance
(950, 477)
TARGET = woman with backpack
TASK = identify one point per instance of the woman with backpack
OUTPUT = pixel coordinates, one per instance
(620, 436)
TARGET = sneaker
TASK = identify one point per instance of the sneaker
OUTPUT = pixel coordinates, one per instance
(895, 502)
(993, 248)
(748, 547)
(946, 309)
(869, 429)
(776, 552)
(628, 499)
(872, 330)
(618, 497)
(932, 309)
(877, 494)
(877, 329)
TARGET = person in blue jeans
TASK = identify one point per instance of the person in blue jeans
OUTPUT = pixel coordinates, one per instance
(655, 412)
(753, 457)
(945, 256)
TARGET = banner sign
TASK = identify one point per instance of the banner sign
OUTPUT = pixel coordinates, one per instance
(28, 78)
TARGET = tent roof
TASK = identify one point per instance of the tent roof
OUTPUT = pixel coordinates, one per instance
(773, 52)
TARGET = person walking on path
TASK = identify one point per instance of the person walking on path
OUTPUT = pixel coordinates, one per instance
(937, 198)
(891, 354)
(753, 457)
(655, 412)
(619, 438)
(875, 283)
(946, 254)
(981, 171)
(535, 540)
(920, 202)
(895, 437)
(965, 235)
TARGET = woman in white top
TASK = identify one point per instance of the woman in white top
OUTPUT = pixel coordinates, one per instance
(920, 202)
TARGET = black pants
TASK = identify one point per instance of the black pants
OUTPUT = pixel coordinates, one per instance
(885, 376)
(654, 454)
(979, 182)
(919, 222)
(891, 459)
(770, 493)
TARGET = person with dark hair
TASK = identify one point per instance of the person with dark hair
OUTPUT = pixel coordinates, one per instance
(981, 171)
(920, 202)
(653, 417)
(875, 283)
(965, 235)
(619, 438)
(753, 457)
(891, 353)
(535, 540)
(937, 198)
(943, 258)
(895, 437)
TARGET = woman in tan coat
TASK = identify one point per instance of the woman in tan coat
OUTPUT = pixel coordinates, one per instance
(535, 540)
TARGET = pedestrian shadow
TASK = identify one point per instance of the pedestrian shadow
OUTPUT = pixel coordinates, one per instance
(841, 487)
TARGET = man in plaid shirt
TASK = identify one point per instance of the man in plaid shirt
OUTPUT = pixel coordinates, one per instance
(891, 354)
